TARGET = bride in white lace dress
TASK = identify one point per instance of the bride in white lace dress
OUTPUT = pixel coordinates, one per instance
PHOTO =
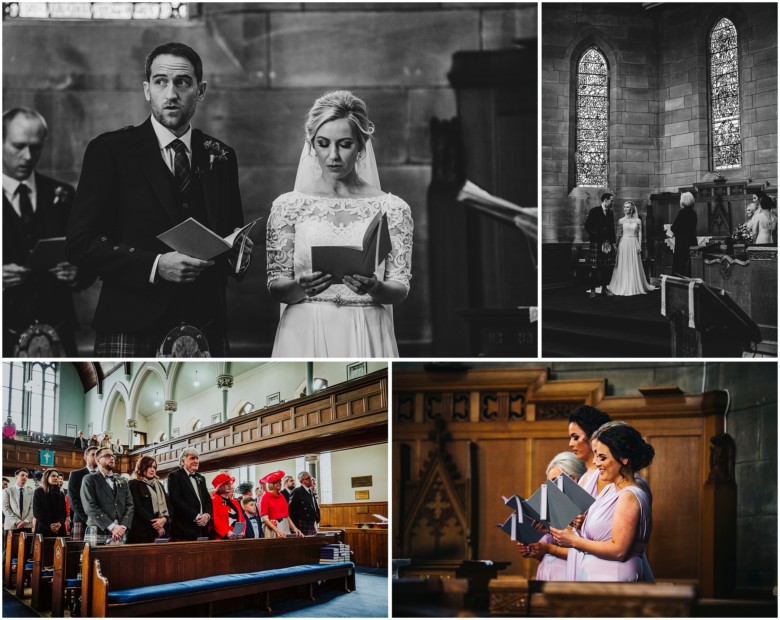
(336, 196)
(628, 277)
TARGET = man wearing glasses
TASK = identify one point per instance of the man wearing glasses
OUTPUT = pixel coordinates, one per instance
(107, 500)
(304, 509)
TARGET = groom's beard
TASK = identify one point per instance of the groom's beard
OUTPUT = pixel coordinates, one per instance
(173, 119)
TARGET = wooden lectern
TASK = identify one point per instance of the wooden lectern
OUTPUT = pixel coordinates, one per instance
(705, 321)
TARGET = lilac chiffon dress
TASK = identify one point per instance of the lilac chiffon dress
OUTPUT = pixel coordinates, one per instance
(551, 568)
(598, 526)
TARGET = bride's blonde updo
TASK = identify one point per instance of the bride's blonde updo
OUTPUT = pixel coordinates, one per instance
(340, 104)
(633, 208)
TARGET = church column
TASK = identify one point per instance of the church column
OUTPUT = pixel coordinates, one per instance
(131, 426)
(170, 408)
(224, 383)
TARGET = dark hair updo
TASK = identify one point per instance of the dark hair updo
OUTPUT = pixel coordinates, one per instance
(588, 419)
(625, 442)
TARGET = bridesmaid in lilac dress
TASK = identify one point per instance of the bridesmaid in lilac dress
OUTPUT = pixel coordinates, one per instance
(617, 528)
(551, 567)
(583, 423)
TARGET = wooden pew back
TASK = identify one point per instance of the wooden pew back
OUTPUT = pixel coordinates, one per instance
(11, 546)
(67, 555)
(22, 551)
(43, 557)
(134, 566)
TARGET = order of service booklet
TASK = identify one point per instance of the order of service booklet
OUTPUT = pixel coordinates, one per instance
(340, 260)
(519, 525)
(46, 254)
(196, 240)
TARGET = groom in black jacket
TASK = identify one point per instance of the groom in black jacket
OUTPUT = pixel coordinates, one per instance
(600, 226)
(138, 182)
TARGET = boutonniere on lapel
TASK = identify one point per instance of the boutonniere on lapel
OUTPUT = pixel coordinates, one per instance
(216, 152)
(61, 194)
(119, 481)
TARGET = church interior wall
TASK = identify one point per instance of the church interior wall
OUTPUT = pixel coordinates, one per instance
(71, 400)
(265, 63)
(364, 461)
(659, 132)
(684, 99)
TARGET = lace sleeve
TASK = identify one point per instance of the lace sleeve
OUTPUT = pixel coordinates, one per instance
(280, 242)
(398, 266)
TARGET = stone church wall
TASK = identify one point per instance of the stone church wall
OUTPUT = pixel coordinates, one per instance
(659, 132)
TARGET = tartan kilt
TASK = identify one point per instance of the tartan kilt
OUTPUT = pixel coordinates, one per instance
(597, 258)
(77, 530)
(308, 528)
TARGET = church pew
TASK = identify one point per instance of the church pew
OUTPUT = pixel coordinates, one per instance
(618, 599)
(66, 579)
(23, 565)
(11, 548)
(152, 579)
(518, 597)
(42, 573)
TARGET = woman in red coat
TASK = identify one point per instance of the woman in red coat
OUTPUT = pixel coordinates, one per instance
(227, 511)
(273, 508)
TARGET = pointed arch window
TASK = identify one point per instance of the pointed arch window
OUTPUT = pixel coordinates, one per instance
(724, 96)
(592, 120)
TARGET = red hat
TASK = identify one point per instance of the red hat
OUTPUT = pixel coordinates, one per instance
(221, 479)
(275, 476)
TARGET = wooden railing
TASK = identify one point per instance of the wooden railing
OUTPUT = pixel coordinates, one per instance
(347, 415)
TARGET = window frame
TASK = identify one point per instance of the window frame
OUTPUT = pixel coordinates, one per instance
(710, 108)
(577, 61)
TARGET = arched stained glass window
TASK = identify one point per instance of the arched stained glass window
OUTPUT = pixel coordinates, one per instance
(724, 96)
(592, 119)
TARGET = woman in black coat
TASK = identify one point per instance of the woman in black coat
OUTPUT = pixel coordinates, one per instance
(49, 506)
(151, 519)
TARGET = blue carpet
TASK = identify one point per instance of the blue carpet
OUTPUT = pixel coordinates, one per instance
(14, 608)
(369, 600)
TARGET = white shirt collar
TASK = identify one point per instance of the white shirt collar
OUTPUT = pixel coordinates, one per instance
(165, 136)
(10, 185)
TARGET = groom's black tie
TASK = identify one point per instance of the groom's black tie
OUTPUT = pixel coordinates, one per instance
(181, 165)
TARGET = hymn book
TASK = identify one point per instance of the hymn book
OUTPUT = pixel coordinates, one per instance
(340, 260)
(574, 492)
(554, 508)
(519, 525)
(46, 254)
(196, 240)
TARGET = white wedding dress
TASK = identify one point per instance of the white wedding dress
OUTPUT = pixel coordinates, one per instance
(337, 322)
(628, 277)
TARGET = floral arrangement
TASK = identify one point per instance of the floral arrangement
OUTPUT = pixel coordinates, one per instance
(216, 152)
(61, 194)
(742, 234)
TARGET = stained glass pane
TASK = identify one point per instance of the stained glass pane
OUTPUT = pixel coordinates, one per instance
(95, 10)
(724, 96)
(592, 119)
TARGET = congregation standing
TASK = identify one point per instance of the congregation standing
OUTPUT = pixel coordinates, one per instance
(108, 508)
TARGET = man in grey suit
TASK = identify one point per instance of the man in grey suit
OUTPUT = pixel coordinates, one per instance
(76, 478)
(17, 503)
(106, 498)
